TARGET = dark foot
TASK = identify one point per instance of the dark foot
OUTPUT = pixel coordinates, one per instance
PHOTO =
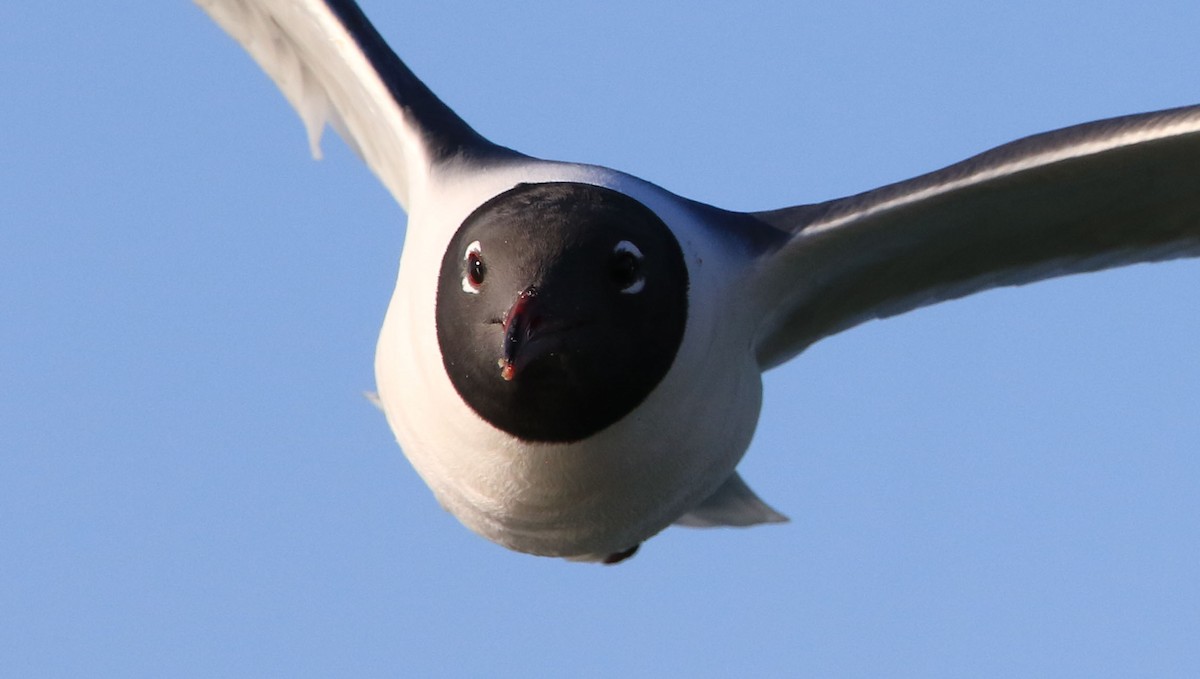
(618, 557)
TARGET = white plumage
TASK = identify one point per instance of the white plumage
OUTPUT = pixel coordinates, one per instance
(763, 286)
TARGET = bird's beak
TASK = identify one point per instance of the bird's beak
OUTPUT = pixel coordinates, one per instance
(520, 325)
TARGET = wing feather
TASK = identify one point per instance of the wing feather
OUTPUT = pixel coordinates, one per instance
(1084, 198)
(335, 68)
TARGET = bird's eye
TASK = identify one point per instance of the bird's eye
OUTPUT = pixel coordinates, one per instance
(625, 268)
(475, 269)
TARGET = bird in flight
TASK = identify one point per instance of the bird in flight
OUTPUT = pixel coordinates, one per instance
(572, 358)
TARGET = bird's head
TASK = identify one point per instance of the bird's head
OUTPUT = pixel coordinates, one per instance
(560, 307)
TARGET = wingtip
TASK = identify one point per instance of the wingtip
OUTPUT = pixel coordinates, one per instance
(733, 504)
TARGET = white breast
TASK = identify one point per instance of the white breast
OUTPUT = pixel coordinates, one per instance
(616, 488)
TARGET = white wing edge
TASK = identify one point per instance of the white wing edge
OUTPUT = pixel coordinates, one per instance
(320, 69)
(976, 172)
(1057, 203)
(732, 504)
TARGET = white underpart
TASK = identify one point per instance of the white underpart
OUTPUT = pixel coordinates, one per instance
(616, 488)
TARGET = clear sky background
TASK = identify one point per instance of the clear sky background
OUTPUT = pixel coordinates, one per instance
(192, 484)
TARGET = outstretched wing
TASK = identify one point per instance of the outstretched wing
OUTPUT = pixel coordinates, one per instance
(1084, 198)
(333, 66)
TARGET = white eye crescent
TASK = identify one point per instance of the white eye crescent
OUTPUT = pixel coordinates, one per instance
(474, 269)
(625, 268)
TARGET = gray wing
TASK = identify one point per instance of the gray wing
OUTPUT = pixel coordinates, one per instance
(1084, 198)
(333, 66)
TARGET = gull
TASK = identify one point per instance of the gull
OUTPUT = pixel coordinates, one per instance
(572, 356)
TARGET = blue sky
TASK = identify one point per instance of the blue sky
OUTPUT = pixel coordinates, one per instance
(191, 483)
